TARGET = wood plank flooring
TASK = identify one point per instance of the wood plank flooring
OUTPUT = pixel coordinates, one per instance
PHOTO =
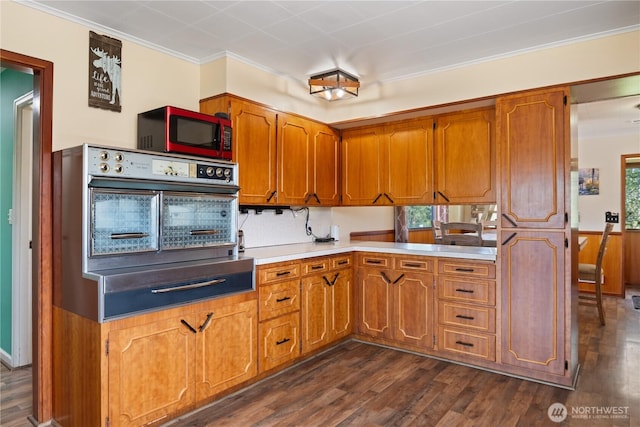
(357, 384)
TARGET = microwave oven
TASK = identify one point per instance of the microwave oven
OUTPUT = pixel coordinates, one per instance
(176, 130)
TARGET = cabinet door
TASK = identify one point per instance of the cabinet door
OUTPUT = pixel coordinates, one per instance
(341, 313)
(326, 166)
(361, 166)
(279, 340)
(151, 371)
(227, 346)
(374, 303)
(408, 162)
(413, 306)
(316, 300)
(533, 290)
(465, 157)
(532, 134)
(254, 136)
(294, 160)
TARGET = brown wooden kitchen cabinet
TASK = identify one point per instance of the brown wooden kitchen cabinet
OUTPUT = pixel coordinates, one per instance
(467, 309)
(279, 296)
(390, 164)
(395, 299)
(308, 166)
(465, 157)
(538, 314)
(327, 301)
(283, 158)
(143, 369)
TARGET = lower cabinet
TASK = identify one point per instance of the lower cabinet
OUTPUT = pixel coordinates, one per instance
(279, 314)
(149, 368)
(395, 298)
(467, 309)
(327, 301)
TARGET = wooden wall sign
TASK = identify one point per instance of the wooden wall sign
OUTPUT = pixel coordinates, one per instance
(105, 70)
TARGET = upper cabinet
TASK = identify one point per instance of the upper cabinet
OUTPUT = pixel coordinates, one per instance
(531, 139)
(283, 159)
(388, 164)
(465, 162)
(307, 162)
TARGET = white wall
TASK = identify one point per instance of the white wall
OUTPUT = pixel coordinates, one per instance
(149, 79)
(604, 153)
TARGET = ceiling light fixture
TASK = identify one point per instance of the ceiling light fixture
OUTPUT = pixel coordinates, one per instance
(334, 85)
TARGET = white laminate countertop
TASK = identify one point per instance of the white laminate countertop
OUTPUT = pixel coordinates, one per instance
(271, 254)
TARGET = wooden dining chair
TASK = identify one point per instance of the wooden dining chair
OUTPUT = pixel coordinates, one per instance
(594, 274)
(461, 233)
(437, 232)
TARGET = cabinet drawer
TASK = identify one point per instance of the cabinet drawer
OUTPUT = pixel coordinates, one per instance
(274, 273)
(465, 290)
(279, 340)
(375, 260)
(341, 261)
(467, 268)
(467, 343)
(467, 316)
(421, 264)
(279, 298)
(314, 266)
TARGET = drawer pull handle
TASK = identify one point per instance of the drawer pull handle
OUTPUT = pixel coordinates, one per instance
(283, 299)
(465, 270)
(385, 278)
(343, 262)
(373, 261)
(466, 344)
(283, 341)
(116, 236)
(460, 316)
(411, 265)
(317, 267)
(282, 273)
(206, 322)
(466, 291)
(191, 328)
(398, 279)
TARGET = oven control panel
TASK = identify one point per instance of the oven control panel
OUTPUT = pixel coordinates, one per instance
(122, 163)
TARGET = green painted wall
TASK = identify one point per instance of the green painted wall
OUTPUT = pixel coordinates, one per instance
(13, 84)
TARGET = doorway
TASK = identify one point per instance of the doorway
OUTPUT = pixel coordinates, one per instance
(20, 219)
(42, 221)
(630, 217)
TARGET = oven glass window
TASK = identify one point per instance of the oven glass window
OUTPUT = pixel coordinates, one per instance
(197, 221)
(123, 222)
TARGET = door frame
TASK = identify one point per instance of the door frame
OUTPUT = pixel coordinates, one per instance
(623, 213)
(42, 248)
(21, 295)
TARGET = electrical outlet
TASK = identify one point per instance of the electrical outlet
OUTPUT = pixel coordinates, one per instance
(613, 217)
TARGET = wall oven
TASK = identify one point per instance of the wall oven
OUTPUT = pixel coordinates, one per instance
(140, 231)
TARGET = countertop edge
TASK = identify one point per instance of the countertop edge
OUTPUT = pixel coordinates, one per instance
(292, 252)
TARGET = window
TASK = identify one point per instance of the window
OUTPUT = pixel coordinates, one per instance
(419, 216)
(632, 198)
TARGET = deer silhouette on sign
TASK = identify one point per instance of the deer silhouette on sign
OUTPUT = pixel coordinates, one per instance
(111, 65)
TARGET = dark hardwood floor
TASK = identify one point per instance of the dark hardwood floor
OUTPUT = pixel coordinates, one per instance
(357, 384)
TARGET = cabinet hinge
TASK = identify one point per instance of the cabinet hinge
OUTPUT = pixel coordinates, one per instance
(566, 365)
(107, 422)
(566, 242)
(566, 217)
(106, 347)
(435, 341)
(434, 125)
(565, 100)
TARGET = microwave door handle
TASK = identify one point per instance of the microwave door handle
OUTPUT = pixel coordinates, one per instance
(116, 236)
(203, 232)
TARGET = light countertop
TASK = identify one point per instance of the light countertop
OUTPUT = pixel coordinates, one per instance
(271, 254)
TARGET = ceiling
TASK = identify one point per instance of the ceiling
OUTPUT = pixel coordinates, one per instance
(378, 41)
